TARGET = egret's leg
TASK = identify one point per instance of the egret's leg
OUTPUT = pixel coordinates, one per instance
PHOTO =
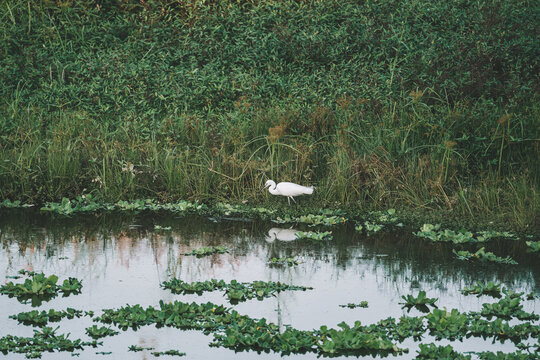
(293, 199)
(289, 200)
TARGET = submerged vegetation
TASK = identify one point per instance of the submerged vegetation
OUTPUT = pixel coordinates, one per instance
(158, 99)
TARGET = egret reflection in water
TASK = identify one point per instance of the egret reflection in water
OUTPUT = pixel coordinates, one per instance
(281, 234)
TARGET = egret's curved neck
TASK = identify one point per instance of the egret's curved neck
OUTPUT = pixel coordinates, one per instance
(272, 188)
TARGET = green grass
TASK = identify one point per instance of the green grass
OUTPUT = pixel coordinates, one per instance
(422, 105)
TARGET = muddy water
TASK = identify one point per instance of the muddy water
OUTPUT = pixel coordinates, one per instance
(123, 259)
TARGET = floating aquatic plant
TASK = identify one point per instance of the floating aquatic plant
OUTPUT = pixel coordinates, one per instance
(483, 255)
(37, 318)
(86, 203)
(208, 250)
(372, 227)
(235, 291)
(437, 352)
(421, 301)
(99, 332)
(240, 332)
(40, 288)
(312, 220)
(13, 204)
(378, 220)
(490, 234)
(168, 352)
(491, 289)
(136, 348)
(314, 235)
(166, 228)
(533, 246)
(507, 308)
(444, 324)
(284, 261)
(362, 304)
(435, 234)
(44, 340)
(432, 232)
(178, 286)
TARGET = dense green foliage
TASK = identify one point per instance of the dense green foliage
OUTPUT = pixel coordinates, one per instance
(417, 104)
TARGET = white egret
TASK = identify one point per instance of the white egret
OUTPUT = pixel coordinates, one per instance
(287, 189)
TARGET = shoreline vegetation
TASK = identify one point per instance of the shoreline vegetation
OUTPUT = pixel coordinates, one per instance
(428, 107)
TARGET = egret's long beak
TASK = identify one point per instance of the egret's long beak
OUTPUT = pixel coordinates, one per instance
(265, 186)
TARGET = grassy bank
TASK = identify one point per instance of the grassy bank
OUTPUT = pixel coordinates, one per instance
(421, 105)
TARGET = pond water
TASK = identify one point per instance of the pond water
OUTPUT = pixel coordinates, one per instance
(122, 259)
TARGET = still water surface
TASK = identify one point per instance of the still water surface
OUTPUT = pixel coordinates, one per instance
(123, 260)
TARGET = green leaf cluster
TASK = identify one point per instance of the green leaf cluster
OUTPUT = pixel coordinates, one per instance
(44, 340)
(208, 250)
(362, 304)
(42, 318)
(421, 301)
(96, 332)
(283, 261)
(40, 288)
(491, 289)
(235, 291)
(483, 255)
(314, 235)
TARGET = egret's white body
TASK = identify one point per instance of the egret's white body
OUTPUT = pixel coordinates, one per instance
(281, 234)
(287, 189)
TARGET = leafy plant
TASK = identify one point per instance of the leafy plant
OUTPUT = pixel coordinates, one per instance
(445, 324)
(421, 301)
(362, 304)
(166, 228)
(40, 288)
(534, 246)
(99, 332)
(168, 352)
(314, 235)
(235, 291)
(136, 348)
(490, 289)
(437, 352)
(207, 250)
(284, 261)
(44, 340)
(312, 220)
(36, 318)
(483, 255)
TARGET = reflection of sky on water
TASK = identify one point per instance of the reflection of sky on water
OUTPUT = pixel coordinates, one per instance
(122, 260)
